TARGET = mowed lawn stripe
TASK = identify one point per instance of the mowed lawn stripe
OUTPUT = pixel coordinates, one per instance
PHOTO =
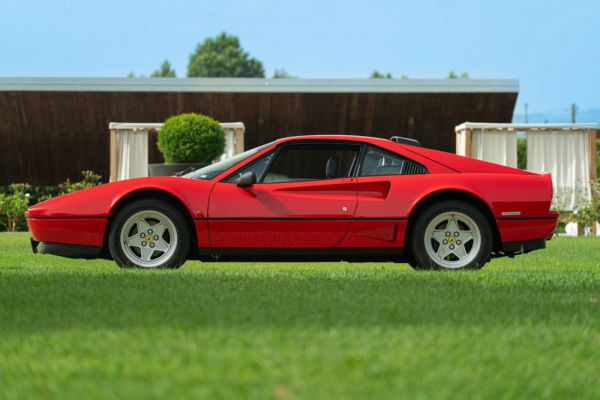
(519, 328)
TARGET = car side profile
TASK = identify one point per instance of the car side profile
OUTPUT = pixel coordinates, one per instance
(319, 197)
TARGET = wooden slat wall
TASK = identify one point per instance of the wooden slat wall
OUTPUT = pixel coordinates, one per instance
(46, 137)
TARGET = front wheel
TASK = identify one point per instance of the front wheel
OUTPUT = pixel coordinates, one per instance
(149, 234)
(451, 235)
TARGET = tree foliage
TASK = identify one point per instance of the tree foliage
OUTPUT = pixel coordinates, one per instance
(89, 179)
(281, 73)
(14, 204)
(380, 75)
(522, 153)
(165, 71)
(598, 159)
(454, 75)
(191, 138)
(223, 56)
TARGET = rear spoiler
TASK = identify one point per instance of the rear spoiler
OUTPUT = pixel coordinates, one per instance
(405, 140)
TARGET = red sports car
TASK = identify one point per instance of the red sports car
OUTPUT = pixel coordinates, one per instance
(309, 197)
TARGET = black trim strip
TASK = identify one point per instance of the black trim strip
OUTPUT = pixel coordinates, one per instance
(69, 250)
(302, 254)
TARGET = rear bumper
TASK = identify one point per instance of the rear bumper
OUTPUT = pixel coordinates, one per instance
(519, 230)
(524, 235)
(524, 246)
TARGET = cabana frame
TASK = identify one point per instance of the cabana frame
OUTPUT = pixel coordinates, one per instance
(114, 127)
(464, 138)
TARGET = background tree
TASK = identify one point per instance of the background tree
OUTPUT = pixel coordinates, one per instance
(379, 75)
(522, 153)
(454, 75)
(282, 74)
(598, 160)
(223, 57)
(165, 71)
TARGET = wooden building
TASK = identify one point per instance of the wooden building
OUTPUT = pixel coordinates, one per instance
(52, 128)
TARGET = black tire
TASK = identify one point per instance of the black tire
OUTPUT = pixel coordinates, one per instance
(177, 256)
(422, 260)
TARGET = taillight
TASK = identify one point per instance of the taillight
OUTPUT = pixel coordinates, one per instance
(549, 178)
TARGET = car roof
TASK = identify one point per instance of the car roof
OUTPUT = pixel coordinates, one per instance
(352, 138)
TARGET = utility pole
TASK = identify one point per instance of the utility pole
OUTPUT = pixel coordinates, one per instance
(526, 115)
(573, 112)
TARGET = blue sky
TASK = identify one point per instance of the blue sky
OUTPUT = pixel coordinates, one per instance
(552, 47)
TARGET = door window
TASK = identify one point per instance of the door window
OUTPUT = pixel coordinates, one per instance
(312, 162)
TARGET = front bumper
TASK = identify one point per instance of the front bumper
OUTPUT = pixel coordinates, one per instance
(65, 250)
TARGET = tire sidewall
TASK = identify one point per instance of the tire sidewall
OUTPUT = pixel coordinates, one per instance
(183, 243)
(422, 259)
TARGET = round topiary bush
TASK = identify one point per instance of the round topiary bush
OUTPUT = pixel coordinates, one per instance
(191, 138)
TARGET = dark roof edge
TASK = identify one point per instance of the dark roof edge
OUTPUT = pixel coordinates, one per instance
(253, 85)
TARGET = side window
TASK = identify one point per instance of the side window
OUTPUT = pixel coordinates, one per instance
(257, 166)
(306, 163)
(381, 162)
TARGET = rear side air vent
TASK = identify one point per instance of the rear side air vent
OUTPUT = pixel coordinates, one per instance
(412, 168)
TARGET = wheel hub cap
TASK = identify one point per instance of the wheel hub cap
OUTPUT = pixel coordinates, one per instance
(452, 240)
(148, 238)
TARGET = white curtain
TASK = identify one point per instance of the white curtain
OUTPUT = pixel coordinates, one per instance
(565, 155)
(461, 143)
(494, 146)
(229, 144)
(132, 153)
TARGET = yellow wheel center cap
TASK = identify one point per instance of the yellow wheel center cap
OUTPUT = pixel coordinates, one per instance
(451, 240)
(149, 239)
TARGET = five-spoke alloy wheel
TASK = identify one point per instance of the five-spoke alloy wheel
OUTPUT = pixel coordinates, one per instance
(149, 234)
(451, 235)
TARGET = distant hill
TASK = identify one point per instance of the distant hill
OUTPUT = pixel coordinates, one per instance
(560, 116)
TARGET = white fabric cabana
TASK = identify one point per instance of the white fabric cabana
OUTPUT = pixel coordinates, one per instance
(565, 156)
(129, 147)
(496, 147)
(567, 151)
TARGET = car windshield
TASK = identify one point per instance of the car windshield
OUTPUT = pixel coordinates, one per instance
(215, 169)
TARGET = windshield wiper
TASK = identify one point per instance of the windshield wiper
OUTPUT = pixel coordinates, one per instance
(184, 171)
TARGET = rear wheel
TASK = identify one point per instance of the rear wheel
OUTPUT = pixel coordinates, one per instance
(451, 235)
(149, 234)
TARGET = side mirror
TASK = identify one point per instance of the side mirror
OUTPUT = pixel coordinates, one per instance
(246, 179)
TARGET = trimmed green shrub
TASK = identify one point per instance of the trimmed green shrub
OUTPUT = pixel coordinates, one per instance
(191, 138)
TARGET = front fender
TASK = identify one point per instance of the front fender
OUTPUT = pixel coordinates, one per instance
(99, 201)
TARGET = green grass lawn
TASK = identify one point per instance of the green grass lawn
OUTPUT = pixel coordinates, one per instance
(526, 328)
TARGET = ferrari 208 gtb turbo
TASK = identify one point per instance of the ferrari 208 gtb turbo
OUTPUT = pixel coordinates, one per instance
(311, 198)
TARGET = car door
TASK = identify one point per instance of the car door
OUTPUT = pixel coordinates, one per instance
(305, 197)
(384, 179)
